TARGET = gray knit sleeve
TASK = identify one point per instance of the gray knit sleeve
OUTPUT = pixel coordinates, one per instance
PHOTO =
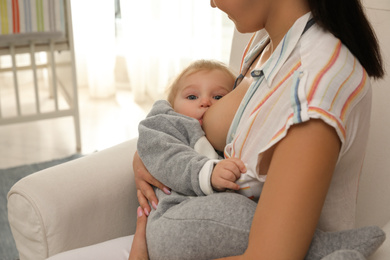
(166, 147)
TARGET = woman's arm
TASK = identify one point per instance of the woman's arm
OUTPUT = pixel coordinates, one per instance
(139, 249)
(292, 198)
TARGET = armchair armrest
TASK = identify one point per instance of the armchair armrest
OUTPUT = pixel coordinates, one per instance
(76, 204)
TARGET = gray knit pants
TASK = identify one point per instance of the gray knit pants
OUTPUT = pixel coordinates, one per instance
(218, 225)
(209, 227)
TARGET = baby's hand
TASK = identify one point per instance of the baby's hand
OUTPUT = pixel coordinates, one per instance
(226, 173)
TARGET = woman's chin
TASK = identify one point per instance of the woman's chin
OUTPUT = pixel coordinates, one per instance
(242, 30)
(245, 29)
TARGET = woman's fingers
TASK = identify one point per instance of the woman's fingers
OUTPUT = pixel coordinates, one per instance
(153, 181)
(139, 249)
(143, 202)
(144, 181)
(141, 173)
(145, 191)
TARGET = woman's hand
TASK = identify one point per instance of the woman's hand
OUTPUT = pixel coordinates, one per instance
(144, 181)
(139, 249)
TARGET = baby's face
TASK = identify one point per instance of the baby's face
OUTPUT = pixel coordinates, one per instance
(198, 91)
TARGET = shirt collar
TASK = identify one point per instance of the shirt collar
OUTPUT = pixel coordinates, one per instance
(271, 68)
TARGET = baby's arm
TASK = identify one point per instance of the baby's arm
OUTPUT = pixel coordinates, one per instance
(166, 147)
(226, 173)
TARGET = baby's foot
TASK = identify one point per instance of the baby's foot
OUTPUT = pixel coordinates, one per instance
(345, 255)
(364, 240)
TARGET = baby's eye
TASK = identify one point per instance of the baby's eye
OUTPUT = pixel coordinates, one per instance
(218, 97)
(192, 97)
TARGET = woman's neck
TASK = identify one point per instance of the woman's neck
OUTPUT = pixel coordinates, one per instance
(282, 18)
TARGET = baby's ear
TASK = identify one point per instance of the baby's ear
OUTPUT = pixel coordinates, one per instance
(365, 240)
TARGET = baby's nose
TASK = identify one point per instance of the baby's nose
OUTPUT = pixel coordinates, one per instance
(205, 102)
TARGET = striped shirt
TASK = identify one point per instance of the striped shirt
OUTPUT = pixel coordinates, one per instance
(310, 75)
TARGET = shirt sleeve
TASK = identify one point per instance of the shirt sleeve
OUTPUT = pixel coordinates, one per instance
(166, 147)
(329, 85)
(333, 96)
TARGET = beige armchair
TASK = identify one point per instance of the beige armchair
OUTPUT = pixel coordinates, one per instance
(77, 204)
(89, 201)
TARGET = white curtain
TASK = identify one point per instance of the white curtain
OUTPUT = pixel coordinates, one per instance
(160, 37)
(94, 38)
(163, 36)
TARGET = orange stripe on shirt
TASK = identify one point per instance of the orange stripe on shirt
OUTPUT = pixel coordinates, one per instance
(234, 146)
(343, 84)
(277, 86)
(318, 110)
(247, 134)
(329, 116)
(319, 76)
(265, 119)
(246, 51)
(354, 95)
(281, 131)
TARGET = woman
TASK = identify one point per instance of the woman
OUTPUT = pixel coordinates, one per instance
(302, 124)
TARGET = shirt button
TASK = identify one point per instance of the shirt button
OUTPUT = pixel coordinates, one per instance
(256, 73)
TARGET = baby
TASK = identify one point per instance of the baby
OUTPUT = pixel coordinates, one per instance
(179, 144)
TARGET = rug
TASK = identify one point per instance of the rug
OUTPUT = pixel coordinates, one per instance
(8, 177)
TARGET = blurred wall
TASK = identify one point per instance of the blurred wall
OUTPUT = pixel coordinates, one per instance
(374, 195)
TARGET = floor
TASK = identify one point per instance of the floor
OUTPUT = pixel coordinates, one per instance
(104, 123)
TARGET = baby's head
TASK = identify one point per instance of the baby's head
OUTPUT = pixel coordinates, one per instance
(199, 86)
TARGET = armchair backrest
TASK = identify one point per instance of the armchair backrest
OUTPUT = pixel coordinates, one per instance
(374, 193)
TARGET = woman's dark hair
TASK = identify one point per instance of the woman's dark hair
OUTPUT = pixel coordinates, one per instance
(346, 20)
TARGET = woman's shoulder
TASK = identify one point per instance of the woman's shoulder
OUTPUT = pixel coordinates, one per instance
(322, 52)
(331, 69)
(332, 83)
